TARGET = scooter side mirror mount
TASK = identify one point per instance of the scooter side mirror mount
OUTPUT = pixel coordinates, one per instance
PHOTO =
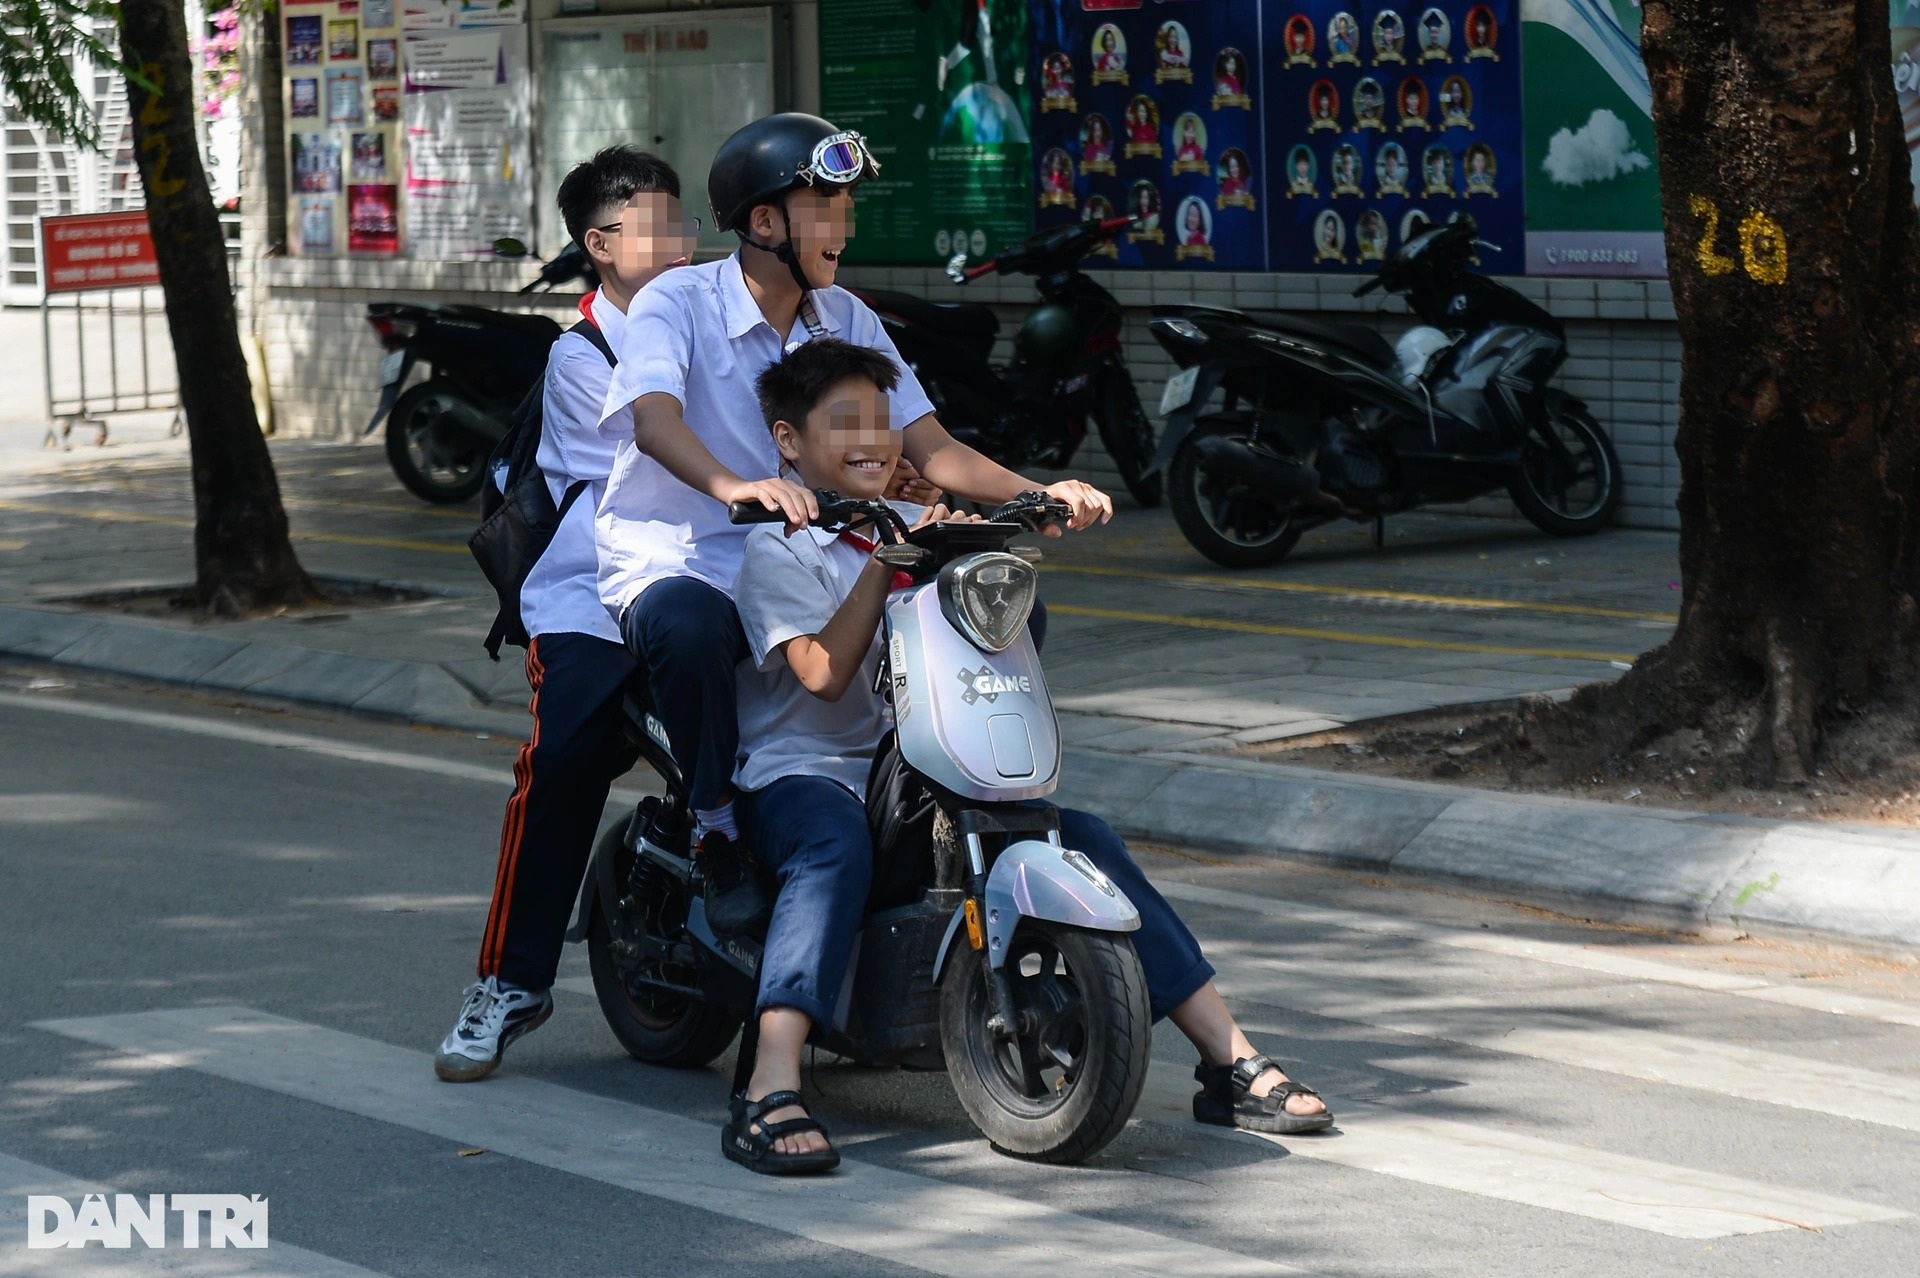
(957, 268)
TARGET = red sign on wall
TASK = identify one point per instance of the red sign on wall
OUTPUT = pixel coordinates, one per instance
(80, 251)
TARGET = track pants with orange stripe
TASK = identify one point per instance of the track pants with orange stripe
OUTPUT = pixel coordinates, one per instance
(560, 783)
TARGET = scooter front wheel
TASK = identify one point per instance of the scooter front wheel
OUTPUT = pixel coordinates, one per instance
(436, 462)
(1220, 516)
(1127, 434)
(1065, 1082)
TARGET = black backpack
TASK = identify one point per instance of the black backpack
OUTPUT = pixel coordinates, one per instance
(517, 526)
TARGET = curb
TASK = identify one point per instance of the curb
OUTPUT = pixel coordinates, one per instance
(409, 690)
(1686, 870)
(1690, 870)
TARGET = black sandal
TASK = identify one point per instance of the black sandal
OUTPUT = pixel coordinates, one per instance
(748, 1139)
(1223, 1099)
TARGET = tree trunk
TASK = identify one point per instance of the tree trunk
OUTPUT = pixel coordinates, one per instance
(243, 559)
(1794, 250)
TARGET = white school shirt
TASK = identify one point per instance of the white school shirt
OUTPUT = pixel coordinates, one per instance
(562, 592)
(792, 586)
(696, 333)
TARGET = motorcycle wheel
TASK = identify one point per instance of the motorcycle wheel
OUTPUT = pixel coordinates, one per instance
(1571, 489)
(437, 465)
(655, 1027)
(1220, 519)
(1128, 435)
(1066, 1084)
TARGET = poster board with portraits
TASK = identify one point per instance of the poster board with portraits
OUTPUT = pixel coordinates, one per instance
(1153, 110)
(340, 103)
(1385, 118)
(945, 95)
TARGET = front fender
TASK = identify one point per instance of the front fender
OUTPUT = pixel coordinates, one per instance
(1039, 880)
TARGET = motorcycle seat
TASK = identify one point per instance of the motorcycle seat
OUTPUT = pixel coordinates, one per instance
(1355, 339)
(967, 322)
(538, 327)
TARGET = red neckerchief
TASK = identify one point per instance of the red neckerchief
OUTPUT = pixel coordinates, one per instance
(901, 580)
(586, 307)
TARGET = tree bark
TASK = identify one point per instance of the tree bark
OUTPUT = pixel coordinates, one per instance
(243, 559)
(1794, 250)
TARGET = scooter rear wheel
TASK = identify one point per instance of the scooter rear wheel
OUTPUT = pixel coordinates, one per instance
(1217, 514)
(654, 1026)
(434, 461)
(1065, 1084)
(1569, 476)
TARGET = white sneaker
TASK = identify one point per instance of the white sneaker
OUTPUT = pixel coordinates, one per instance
(491, 1018)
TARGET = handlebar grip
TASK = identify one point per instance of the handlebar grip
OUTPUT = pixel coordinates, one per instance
(1368, 287)
(985, 268)
(752, 512)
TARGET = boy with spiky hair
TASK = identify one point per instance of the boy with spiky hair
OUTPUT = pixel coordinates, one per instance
(623, 208)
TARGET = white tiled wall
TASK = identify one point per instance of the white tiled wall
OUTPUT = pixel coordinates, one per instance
(322, 357)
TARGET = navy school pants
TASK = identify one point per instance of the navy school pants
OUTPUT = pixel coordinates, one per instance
(811, 834)
(560, 783)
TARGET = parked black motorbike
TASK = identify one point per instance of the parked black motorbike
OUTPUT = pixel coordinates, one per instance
(1320, 420)
(480, 364)
(1067, 361)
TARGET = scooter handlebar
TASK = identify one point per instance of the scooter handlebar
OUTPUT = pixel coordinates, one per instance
(752, 512)
(1368, 287)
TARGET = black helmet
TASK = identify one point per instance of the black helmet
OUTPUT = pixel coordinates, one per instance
(778, 154)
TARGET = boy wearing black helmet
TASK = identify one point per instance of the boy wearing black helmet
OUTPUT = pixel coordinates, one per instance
(683, 399)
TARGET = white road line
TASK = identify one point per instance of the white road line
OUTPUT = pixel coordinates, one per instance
(1797, 1082)
(1477, 1159)
(274, 739)
(891, 1215)
(19, 1178)
(1611, 962)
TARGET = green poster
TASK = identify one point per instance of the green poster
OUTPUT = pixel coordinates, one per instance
(1593, 187)
(938, 88)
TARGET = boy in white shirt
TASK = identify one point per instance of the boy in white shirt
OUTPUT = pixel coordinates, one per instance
(623, 208)
(682, 405)
(810, 605)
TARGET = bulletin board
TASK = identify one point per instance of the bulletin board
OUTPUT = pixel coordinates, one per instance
(341, 105)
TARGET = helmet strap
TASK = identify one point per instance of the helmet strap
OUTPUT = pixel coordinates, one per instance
(784, 249)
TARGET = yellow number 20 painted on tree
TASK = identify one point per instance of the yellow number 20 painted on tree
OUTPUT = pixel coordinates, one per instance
(1763, 244)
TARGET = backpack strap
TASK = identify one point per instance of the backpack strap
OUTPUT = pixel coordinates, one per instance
(591, 331)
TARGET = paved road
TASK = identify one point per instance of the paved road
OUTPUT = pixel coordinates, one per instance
(232, 935)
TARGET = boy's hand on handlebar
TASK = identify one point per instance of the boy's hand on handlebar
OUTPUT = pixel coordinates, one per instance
(1089, 504)
(790, 499)
(939, 512)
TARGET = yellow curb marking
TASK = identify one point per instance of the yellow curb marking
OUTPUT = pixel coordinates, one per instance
(1334, 636)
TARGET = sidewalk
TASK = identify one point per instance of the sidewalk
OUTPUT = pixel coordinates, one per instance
(1158, 663)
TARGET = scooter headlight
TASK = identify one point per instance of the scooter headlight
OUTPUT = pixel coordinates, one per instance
(989, 597)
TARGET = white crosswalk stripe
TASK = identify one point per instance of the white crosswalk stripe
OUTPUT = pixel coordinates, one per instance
(1680, 1202)
(19, 1178)
(896, 1216)
(1608, 961)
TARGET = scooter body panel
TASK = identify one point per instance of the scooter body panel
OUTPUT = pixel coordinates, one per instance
(1037, 880)
(979, 724)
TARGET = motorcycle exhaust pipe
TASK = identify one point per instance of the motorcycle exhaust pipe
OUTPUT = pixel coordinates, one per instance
(1281, 480)
(457, 414)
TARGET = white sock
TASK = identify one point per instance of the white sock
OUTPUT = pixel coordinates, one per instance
(720, 819)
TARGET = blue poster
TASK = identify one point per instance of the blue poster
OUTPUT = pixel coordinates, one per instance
(1384, 118)
(1153, 109)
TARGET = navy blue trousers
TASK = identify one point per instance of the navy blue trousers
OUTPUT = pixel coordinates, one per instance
(688, 636)
(811, 834)
(560, 783)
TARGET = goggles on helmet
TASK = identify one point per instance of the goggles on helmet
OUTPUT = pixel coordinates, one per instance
(841, 159)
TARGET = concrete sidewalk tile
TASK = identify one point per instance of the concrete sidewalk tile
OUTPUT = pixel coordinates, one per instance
(252, 664)
(1111, 785)
(1159, 736)
(330, 678)
(1272, 812)
(151, 652)
(1282, 731)
(32, 632)
(1582, 849)
(1850, 883)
